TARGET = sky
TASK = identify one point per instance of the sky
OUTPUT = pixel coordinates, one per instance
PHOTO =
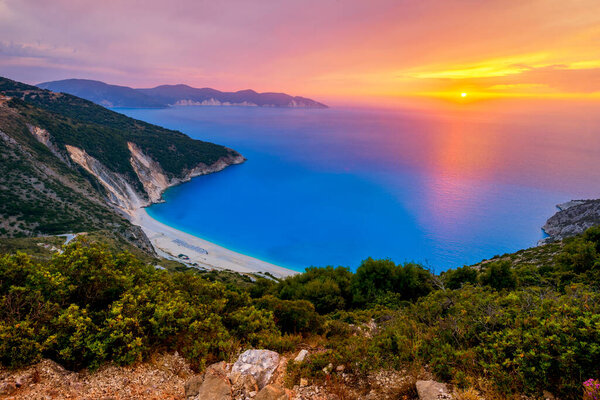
(324, 49)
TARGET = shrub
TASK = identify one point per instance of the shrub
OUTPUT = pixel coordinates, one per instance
(499, 275)
(292, 316)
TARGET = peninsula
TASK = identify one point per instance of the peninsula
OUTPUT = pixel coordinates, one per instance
(173, 95)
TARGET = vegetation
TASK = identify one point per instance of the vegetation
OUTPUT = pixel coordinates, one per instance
(502, 327)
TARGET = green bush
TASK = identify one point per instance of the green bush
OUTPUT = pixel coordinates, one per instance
(380, 278)
(88, 306)
(292, 316)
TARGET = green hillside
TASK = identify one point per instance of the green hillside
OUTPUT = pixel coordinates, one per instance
(104, 133)
(524, 323)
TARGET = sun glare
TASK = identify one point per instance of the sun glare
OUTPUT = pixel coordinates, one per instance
(463, 94)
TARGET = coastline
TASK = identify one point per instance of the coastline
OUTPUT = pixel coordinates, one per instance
(170, 243)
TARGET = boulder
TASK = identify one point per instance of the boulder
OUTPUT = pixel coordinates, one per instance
(432, 390)
(214, 387)
(301, 355)
(261, 364)
(192, 386)
(272, 392)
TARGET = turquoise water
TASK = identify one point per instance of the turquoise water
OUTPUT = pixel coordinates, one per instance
(335, 186)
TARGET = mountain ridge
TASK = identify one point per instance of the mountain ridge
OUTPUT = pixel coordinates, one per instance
(173, 95)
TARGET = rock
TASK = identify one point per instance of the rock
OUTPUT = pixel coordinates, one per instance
(303, 382)
(192, 386)
(261, 364)
(244, 385)
(272, 392)
(220, 368)
(340, 368)
(214, 387)
(432, 390)
(7, 388)
(301, 355)
(573, 218)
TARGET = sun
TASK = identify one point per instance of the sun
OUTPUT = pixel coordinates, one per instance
(463, 94)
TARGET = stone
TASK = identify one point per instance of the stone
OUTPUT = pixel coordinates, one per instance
(192, 386)
(220, 368)
(243, 385)
(303, 382)
(340, 368)
(261, 364)
(301, 355)
(7, 388)
(432, 390)
(214, 387)
(272, 392)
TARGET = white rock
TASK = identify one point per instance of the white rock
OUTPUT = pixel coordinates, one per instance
(301, 356)
(261, 364)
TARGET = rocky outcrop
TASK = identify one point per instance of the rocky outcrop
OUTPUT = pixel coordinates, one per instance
(44, 137)
(149, 172)
(261, 364)
(573, 218)
(251, 376)
(120, 191)
(155, 180)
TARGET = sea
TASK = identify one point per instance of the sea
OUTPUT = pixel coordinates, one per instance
(320, 187)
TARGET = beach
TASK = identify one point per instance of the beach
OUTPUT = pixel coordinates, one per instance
(177, 245)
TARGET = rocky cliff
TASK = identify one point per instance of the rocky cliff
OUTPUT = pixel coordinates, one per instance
(572, 218)
(122, 194)
(68, 165)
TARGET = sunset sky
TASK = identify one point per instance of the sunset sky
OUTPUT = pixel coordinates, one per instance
(326, 49)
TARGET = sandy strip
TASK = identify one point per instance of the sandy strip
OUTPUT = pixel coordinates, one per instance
(170, 243)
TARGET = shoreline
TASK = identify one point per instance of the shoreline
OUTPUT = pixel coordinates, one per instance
(170, 243)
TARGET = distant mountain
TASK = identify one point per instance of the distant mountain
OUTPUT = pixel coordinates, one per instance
(101, 93)
(173, 95)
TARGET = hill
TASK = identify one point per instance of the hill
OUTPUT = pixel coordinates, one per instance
(104, 94)
(523, 325)
(169, 95)
(69, 165)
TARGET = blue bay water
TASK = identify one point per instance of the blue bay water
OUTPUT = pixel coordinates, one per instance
(335, 186)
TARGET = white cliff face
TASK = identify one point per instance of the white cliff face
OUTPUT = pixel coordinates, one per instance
(43, 136)
(121, 192)
(213, 102)
(155, 181)
(149, 172)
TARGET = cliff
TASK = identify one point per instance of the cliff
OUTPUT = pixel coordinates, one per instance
(69, 165)
(573, 218)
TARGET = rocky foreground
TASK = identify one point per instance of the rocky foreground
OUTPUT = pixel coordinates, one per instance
(255, 375)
